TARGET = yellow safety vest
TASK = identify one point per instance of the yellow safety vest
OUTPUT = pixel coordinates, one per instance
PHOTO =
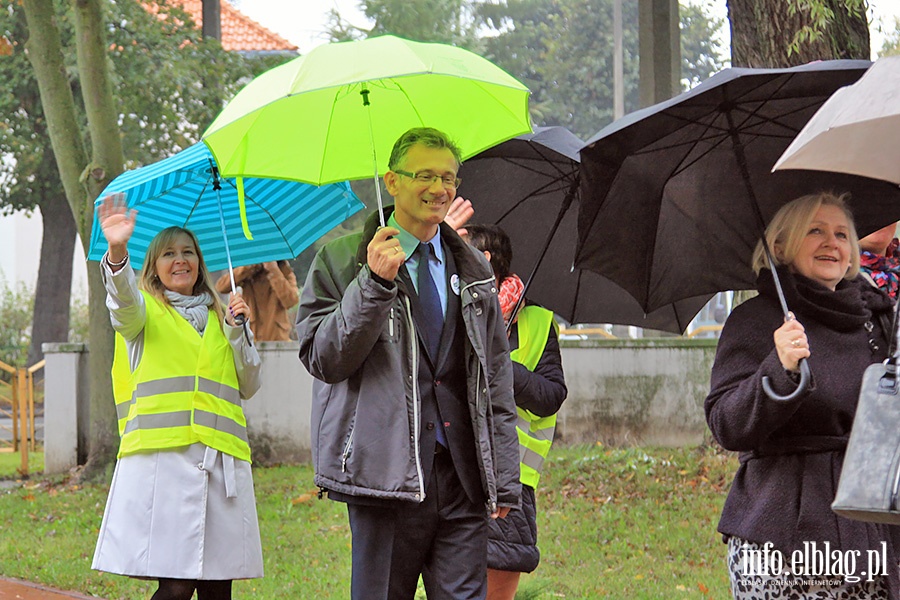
(184, 389)
(535, 433)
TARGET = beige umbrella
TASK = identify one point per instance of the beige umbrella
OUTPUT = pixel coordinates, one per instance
(857, 131)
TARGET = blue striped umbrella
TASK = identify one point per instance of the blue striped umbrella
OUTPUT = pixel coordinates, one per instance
(283, 217)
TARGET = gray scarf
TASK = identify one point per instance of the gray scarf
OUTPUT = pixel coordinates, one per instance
(195, 309)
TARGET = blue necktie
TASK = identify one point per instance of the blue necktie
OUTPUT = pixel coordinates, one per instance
(429, 300)
(433, 317)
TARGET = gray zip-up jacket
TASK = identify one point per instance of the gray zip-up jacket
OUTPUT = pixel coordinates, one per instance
(358, 340)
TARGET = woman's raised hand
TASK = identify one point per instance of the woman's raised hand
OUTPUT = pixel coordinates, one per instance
(117, 224)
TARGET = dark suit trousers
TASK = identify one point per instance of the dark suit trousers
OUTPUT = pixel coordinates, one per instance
(444, 538)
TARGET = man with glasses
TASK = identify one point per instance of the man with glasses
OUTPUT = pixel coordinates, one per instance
(413, 415)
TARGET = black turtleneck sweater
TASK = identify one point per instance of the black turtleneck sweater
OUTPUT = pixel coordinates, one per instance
(792, 451)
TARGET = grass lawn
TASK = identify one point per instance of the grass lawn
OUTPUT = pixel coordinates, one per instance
(613, 523)
(11, 462)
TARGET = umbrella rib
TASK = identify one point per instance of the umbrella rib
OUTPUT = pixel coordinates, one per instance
(328, 130)
(526, 164)
(776, 121)
(542, 190)
(749, 114)
(197, 201)
(268, 213)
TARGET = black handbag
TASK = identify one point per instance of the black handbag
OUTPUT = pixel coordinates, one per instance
(869, 487)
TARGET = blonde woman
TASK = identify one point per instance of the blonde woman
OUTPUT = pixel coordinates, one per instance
(181, 507)
(777, 519)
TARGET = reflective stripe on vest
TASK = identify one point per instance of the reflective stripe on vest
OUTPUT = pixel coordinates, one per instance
(535, 433)
(184, 389)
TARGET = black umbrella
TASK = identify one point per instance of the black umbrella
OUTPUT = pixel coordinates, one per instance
(528, 186)
(675, 196)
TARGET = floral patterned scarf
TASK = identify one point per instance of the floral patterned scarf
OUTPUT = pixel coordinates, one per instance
(510, 291)
(884, 270)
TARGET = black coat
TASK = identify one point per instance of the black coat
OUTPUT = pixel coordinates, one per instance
(512, 542)
(792, 451)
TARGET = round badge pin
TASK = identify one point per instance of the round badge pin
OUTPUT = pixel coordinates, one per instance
(454, 283)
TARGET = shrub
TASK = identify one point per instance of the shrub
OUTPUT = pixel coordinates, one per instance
(16, 309)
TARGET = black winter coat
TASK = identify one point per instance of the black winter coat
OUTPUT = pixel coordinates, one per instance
(512, 542)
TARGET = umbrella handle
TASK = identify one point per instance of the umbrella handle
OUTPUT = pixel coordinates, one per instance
(801, 387)
(239, 320)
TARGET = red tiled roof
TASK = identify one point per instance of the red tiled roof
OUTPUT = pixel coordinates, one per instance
(240, 33)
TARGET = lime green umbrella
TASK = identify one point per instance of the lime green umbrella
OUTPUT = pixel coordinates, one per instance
(335, 113)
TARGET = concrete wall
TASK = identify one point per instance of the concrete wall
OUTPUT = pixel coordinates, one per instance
(647, 391)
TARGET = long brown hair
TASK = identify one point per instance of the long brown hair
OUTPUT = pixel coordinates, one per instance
(150, 281)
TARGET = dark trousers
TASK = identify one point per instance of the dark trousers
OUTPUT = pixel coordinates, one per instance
(443, 538)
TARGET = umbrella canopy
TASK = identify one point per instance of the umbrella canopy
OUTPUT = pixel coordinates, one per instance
(528, 186)
(675, 196)
(310, 119)
(283, 217)
(857, 131)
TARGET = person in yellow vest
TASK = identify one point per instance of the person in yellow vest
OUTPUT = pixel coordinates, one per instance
(181, 507)
(540, 390)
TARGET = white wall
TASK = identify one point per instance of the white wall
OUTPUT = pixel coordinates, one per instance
(20, 253)
(647, 392)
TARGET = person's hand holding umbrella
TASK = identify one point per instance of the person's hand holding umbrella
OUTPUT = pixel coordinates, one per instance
(238, 311)
(384, 254)
(791, 344)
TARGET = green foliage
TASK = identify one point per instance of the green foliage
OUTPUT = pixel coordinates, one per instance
(561, 49)
(169, 83)
(79, 320)
(422, 20)
(613, 523)
(821, 16)
(16, 304)
(701, 51)
(443, 21)
(891, 46)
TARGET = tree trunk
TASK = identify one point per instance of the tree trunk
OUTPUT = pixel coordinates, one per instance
(45, 54)
(762, 32)
(50, 322)
(107, 161)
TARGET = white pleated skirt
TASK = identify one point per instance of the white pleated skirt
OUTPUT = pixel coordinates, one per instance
(188, 513)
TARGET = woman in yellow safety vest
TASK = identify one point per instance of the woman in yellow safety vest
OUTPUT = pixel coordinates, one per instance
(540, 390)
(181, 507)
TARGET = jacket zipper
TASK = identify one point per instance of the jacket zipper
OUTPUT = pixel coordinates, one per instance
(479, 400)
(414, 352)
(346, 453)
(478, 395)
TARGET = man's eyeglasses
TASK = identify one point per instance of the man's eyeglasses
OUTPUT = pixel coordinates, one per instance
(427, 178)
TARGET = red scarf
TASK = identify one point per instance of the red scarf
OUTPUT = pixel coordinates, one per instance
(510, 291)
